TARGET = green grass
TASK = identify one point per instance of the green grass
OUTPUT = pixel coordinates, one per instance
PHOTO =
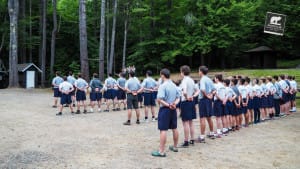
(288, 63)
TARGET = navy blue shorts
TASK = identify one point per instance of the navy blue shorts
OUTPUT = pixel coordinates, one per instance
(121, 94)
(65, 99)
(80, 95)
(111, 94)
(167, 119)
(244, 108)
(56, 92)
(270, 101)
(154, 95)
(95, 96)
(285, 98)
(187, 110)
(264, 102)
(205, 108)
(218, 108)
(229, 108)
(235, 110)
(140, 97)
(293, 97)
(149, 99)
(256, 102)
(196, 101)
(250, 104)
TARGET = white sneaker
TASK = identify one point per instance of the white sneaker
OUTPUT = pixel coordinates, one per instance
(153, 120)
(92, 110)
(99, 110)
(145, 120)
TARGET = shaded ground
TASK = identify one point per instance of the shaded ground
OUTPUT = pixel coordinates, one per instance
(31, 136)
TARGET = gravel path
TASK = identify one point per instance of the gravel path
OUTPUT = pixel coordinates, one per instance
(31, 136)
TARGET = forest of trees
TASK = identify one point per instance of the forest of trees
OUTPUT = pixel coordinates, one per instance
(105, 35)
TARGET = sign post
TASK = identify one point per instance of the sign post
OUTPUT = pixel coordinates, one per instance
(275, 23)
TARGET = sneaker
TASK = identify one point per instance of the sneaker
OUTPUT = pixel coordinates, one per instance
(91, 110)
(192, 142)
(174, 149)
(84, 111)
(153, 119)
(218, 135)
(146, 121)
(158, 154)
(185, 144)
(211, 136)
(59, 114)
(127, 123)
(106, 110)
(118, 109)
(201, 140)
(138, 122)
(54, 106)
(99, 110)
(72, 113)
(78, 112)
(125, 108)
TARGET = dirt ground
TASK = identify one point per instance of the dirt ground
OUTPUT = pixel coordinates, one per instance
(31, 137)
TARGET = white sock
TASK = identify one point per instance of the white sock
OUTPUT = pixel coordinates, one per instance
(211, 133)
(202, 136)
(219, 131)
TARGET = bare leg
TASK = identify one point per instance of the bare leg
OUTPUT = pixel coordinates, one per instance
(175, 137)
(186, 130)
(192, 130)
(210, 123)
(153, 111)
(202, 126)
(163, 140)
(137, 111)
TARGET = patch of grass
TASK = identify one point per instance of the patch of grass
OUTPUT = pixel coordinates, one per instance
(288, 63)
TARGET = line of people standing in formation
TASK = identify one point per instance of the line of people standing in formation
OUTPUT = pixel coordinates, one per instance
(116, 94)
(235, 101)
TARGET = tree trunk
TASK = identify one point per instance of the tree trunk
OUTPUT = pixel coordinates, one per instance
(53, 38)
(107, 37)
(84, 63)
(102, 38)
(96, 15)
(113, 36)
(13, 10)
(43, 48)
(22, 28)
(30, 31)
(125, 38)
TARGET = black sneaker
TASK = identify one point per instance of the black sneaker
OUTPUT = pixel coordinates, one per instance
(106, 110)
(127, 123)
(185, 144)
(72, 113)
(78, 112)
(84, 111)
(73, 105)
(124, 108)
(54, 106)
(192, 142)
(211, 136)
(138, 122)
(59, 114)
(118, 109)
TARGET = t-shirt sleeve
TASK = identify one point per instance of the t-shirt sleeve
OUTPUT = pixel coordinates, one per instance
(202, 85)
(161, 93)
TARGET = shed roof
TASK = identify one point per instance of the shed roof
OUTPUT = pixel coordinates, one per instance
(260, 49)
(24, 66)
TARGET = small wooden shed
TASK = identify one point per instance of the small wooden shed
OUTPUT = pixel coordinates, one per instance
(262, 57)
(28, 75)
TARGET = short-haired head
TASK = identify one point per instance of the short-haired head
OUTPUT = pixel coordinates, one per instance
(185, 70)
(203, 69)
(165, 72)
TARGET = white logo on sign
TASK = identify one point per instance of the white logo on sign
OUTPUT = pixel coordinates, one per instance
(274, 20)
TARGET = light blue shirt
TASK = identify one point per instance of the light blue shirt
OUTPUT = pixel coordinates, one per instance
(278, 93)
(168, 92)
(65, 86)
(71, 79)
(133, 84)
(149, 83)
(110, 83)
(81, 83)
(121, 82)
(207, 85)
(57, 81)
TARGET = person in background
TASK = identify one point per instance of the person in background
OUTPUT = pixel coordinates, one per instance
(65, 88)
(207, 91)
(236, 105)
(285, 90)
(293, 92)
(257, 100)
(244, 102)
(229, 106)
(187, 105)
(55, 83)
(110, 94)
(96, 92)
(71, 79)
(277, 96)
(271, 91)
(149, 85)
(168, 97)
(133, 88)
(81, 87)
(121, 96)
